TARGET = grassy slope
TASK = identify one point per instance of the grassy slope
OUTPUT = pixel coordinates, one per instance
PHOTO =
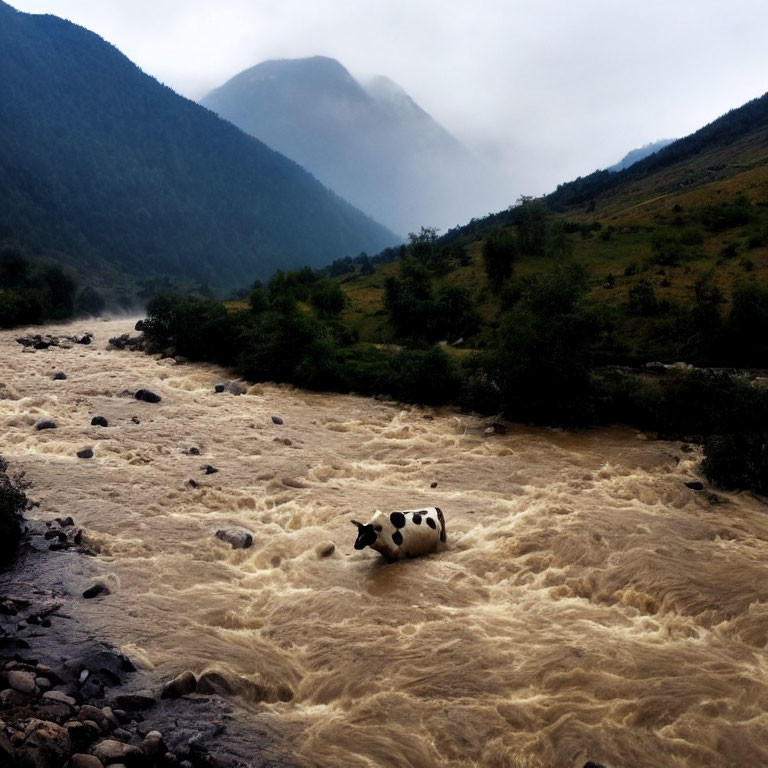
(639, 212)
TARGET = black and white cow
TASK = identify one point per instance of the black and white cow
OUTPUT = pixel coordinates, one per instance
(408, 533)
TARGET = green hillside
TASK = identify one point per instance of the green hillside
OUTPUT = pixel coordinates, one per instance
(660, 242)
(112, 173)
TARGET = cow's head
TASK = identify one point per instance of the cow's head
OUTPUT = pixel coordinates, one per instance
(366, 535)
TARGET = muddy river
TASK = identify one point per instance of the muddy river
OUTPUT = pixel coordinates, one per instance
(589, 606)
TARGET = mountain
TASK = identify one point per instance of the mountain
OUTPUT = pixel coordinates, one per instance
(719, 150)
(674, 249)
(113, 173)
(369, 142)
(638, 154)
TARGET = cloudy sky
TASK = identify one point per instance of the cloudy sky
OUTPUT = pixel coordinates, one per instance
(545, 89)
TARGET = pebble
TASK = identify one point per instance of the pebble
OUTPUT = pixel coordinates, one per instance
(96, 590)
(277, 420)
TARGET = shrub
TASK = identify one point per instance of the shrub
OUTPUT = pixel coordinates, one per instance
(13, 501)
(737, 461)
(499, 254)
(200, 329)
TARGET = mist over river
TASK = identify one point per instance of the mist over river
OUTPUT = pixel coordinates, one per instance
(589, 606)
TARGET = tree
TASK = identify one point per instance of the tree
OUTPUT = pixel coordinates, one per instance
(499, 254)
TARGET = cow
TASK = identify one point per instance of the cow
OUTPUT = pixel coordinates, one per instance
(403, 534)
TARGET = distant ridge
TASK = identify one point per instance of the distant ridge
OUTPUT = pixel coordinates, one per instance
(636, 155)
(737, 124)
(110, 171)
(370, 142)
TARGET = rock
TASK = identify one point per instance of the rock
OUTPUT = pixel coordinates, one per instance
(233, 387)
(713, 498)
(111, 717)
(655, 367)
(140, 326)
(686, 448)
(210, 683)
(433, 485)
(45, 424)
(54, 711)
(121, 734)
(291, 483)
(21, 681)
(153, 744)
(277, 420)
(96, 590)
(59, 697)
(85, 761)
(239, 538)
(135, 419)
(326, 549)
(193, 451)
(43, 684)
(13, 698)
(85, 453)
(147, 396)
(181, 685)
(132, 702)
(86, 338)
(59, 376)
(591, 764)
(89, 713)
(695, 485)
(99, 421)
(111, 751)
(29, 349)
(66, 522)
(193, 483)
(45, 744)
(209, 470)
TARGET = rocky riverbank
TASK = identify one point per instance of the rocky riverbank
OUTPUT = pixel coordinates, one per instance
(67, 698)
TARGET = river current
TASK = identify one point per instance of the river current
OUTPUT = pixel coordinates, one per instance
(588, 606)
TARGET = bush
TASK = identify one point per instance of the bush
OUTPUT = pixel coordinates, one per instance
(737, 461)
(200, 329)
(499, 254)
(13, 501)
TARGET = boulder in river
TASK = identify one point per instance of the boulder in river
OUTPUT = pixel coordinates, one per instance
(181, 685)
(277, 420)
(99, 421)
(59, 376)
(45, 424)
(233, 387)
(85, 453)
(96, 590)
(148, 396)
(695, 485)
(239, 538)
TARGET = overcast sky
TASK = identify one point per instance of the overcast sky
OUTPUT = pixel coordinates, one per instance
(546, 89)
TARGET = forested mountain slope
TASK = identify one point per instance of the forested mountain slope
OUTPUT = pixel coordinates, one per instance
(109, 171)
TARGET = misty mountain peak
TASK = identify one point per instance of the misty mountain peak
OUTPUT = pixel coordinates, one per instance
(369, 142)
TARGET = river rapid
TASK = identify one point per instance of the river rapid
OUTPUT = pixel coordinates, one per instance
(588, 606)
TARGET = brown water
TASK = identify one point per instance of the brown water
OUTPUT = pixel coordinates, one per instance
(588, 606)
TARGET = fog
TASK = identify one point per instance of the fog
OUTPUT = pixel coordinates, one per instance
(544, 91)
